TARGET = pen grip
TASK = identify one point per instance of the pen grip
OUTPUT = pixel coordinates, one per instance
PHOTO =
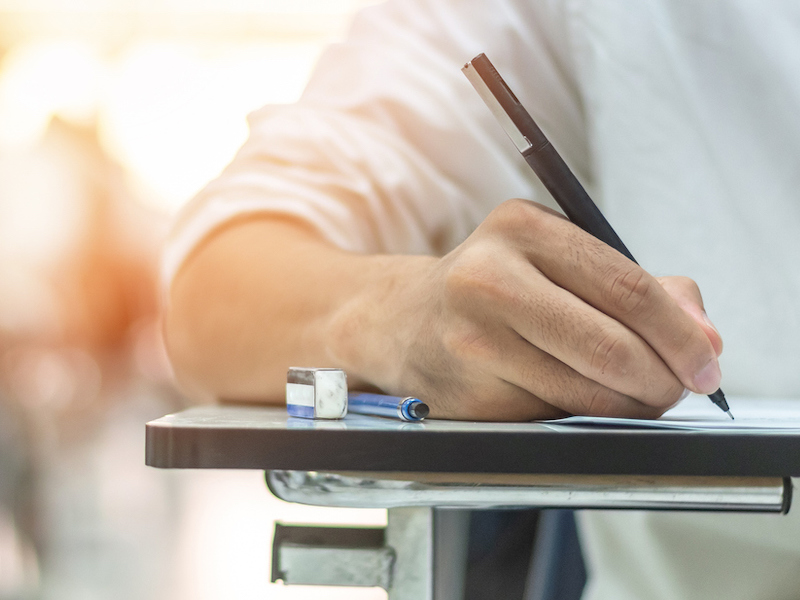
(565, 188)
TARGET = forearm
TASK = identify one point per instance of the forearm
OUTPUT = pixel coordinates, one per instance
(264, 294)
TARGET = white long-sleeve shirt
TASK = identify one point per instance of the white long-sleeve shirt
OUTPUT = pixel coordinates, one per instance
(683, 121)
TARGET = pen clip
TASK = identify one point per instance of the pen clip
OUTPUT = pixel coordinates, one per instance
(489, 95)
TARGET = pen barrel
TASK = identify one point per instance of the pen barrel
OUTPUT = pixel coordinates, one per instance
(380, 405)
(565, 188)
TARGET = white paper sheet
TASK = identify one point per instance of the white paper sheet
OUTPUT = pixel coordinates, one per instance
(698, 412)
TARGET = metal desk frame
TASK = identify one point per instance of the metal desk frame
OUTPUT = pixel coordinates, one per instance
(426, 474)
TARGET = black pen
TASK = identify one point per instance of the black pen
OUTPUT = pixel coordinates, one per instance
(547, 163)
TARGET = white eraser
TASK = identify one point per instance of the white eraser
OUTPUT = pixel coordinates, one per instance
(316, 393)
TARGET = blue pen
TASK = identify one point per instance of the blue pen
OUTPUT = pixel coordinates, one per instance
(394, 407)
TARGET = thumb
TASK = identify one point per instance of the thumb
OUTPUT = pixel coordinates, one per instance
(687, 295)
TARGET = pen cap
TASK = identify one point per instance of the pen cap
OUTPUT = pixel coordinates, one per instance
(314, 393)
(414, 409)
(507, 109)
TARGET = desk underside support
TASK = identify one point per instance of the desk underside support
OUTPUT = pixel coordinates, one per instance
(423, 553)
(482, 491)
(431, 547)
(420, 555)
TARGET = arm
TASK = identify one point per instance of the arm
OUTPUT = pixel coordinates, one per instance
(261, 295)
(388, 152)
(529, 318)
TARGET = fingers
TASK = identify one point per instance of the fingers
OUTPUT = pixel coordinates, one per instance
(557, 384)
(584, 341)
(620, 289)
(539, 318)
(528, 383)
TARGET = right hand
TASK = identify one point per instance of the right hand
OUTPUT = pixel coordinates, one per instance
(532, 318)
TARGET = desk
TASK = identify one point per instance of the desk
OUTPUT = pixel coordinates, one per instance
(266, 438)
(389, 463)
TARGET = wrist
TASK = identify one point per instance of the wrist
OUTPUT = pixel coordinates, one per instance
(370, 334)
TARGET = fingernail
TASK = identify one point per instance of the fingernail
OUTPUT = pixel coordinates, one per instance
(707, 380)
(685, 394)
(708, 322)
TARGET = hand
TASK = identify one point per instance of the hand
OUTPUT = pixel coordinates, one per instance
(531, 317)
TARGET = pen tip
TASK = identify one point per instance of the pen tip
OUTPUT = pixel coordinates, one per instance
(727, 412)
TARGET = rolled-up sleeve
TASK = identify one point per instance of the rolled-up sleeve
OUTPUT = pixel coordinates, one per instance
(389, 149)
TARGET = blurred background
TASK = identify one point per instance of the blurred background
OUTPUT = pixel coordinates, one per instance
(113, 113)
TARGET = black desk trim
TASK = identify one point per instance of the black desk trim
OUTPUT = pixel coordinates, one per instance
(537, 449)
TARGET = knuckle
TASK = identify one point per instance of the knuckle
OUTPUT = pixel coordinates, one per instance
(610, 356)
(516, 214)
(688, 284)
(679, 286)
(686, 349)
(475, 275)
(630, 290)
(514, 209)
